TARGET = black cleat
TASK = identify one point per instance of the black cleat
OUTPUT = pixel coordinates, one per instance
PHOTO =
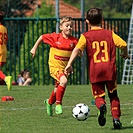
(102, 115)
(117, 124)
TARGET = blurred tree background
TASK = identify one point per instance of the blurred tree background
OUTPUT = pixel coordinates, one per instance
(111, 8)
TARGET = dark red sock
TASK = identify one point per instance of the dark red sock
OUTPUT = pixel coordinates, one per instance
(59, 94)
(115, 108)
(2, 75)
(99, 101)
(52, 98)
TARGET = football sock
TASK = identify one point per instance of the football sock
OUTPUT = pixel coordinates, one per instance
(59, 94)
(115, 108)
(2, 75)
(52, 98)
(99, 101)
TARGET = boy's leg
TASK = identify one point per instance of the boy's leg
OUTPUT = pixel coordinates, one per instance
(59, 96)
(60, 92)
(2, 75)
(98, 90)
(62, 80)
(51, 100)
(7, 79)
(115, 105)
(48, 108)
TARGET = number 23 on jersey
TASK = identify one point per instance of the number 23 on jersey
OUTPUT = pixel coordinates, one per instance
(96, 45)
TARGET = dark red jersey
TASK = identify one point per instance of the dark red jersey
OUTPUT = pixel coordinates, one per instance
(101, 52)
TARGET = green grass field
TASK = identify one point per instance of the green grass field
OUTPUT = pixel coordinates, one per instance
(27, 113)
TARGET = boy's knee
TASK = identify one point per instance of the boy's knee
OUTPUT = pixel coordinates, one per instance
(63, 81)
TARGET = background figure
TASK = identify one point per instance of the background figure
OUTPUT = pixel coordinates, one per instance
(3, 53)
(24, 78)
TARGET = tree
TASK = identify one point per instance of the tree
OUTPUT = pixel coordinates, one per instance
(16, 8)
(111, 8)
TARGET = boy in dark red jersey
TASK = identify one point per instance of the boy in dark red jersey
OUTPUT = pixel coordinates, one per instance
(61, 46)
(3, 52)
(101, 46)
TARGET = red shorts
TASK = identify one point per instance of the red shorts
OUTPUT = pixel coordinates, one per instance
(98, 89)
(57, 74)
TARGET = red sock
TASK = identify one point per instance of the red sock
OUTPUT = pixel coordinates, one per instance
(52, 98)
(115, 108)
(2, 75)
(59, 94)
(99, 101)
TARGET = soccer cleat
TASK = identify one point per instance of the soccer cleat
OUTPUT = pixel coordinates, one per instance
(48, 108)
(8, 80)
(58, 109)
(117, 124)
(102, 115)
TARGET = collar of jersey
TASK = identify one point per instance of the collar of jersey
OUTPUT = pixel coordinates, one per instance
(96, 28)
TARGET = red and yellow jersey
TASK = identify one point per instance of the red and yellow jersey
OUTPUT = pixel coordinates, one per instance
(101, 46)
(60, 49)
(3, 42)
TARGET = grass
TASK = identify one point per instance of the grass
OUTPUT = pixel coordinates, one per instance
(27, 114)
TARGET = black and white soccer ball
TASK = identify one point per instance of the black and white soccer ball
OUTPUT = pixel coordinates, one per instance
(81, 112)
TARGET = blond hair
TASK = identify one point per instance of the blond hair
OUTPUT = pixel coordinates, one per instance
(65, 19)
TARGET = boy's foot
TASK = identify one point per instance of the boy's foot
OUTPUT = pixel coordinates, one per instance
(8, 80)
(102, 115)
(48, 108)
(58, 109)
(117, 124)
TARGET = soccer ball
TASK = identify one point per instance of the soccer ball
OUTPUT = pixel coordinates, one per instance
(81, 112)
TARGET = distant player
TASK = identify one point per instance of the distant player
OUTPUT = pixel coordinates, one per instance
(3, 52)
(24, 78)
(100, 45)
(61, 46)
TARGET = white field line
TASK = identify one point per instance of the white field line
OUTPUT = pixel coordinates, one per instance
(41, 108)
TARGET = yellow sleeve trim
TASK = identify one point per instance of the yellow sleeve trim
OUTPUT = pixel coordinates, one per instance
(119, 42)
(81, 43)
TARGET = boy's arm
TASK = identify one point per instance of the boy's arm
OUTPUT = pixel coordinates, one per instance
(69, 68)
(78, 49)
(120, 43)
(124, 53)
(33, 50)
(27, 82)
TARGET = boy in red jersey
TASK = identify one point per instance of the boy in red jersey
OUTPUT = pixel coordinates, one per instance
(100, 45)
(61, 46)
(3, 52)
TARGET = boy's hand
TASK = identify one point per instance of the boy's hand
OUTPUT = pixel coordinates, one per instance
(33, 52)
(80, 53)
(125, 56)
(68, 70)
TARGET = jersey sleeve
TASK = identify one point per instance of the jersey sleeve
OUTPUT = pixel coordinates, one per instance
(81, 43)
(48, 38)
(118, 41)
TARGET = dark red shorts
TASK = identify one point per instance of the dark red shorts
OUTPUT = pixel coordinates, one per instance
(98, 89)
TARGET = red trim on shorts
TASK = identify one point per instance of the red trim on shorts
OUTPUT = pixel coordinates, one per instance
(61, 58)
(62, 74)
